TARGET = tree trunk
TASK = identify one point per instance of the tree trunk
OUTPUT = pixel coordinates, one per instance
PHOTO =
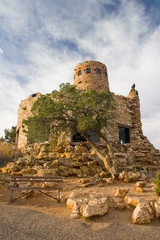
(111, 169)
(111, 154)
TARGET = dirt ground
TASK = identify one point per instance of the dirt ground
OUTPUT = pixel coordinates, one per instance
(40, 202)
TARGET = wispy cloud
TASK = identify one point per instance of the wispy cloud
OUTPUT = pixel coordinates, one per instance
(41, 42)
(1, 51)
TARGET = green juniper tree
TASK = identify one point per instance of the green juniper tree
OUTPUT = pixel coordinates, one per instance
(76, 111)
(10, 134)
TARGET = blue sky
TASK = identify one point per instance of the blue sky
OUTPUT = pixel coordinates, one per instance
(41, 41)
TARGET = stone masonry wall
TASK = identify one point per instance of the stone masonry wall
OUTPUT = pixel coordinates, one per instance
(24, 112)
(97, 79)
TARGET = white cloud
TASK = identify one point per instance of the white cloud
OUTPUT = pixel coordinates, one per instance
(1, 51)
(39, 41)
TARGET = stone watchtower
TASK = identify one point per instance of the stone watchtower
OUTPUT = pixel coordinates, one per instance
(91, 74)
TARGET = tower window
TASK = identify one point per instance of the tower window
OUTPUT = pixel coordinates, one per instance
(79, 72)
(98, 71)
(88, 70)
(34, 95)
(124, 135)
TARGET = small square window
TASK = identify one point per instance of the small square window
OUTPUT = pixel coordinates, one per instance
(88, 70)
(98, 71)
(79, 72)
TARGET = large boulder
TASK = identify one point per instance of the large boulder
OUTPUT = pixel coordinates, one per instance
(157, 208)
(87, 204)
(143, 213)
(95, 207)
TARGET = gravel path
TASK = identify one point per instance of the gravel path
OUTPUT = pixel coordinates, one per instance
(25, 224)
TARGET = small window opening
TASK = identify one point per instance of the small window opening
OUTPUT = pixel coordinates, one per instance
(79, 81)
(105, 74)
(88, 70)
(98, 71)
(124, 135)
(79, 72)
(34, 95)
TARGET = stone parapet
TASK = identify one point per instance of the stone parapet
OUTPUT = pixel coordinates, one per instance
(91, 74)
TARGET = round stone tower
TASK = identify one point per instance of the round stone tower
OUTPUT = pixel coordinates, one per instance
(91, 74)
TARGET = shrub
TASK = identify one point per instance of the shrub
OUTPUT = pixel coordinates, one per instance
(157, 182)
(5, 153)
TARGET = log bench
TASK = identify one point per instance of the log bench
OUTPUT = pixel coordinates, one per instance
(20, 183)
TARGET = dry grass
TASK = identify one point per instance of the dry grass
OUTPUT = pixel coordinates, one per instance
(5, 153)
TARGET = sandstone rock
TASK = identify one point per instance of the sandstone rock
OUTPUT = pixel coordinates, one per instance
(54, 164)
(109, 181)
(117, 202)
(80, 149)
(93, 152)
(84, 180)
(121, 192)
(143, 213)
(63, 171)
(16, 174)
(84, 169)
(28, 171)
(75, 171)
(47, 165)
(103, 174)
(68, 155)
(132, 176)
(37, 167)
(47, 172)
(131, 201)
(4, 170)
(49, 185)
(139, 189)
(141, 184)
(75, 204)
(87, 204)
(28, 161)
(95, 207)
(157, 208)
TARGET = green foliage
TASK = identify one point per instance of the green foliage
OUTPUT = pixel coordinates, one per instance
(5, 153)
(69, 109)
(38, 129)
(10, 134)
(157, 182)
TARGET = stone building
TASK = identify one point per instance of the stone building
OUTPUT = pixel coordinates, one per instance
(126, 137)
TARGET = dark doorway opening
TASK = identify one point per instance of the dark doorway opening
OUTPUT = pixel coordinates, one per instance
(124, 135)
(79, 138)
